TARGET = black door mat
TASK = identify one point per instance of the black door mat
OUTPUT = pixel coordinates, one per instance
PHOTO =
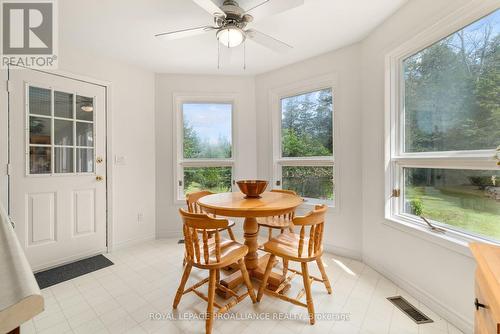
(71, 270)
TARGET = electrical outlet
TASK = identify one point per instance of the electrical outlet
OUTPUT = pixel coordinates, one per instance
(140, 217)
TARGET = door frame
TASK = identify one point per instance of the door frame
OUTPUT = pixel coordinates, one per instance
(108, 138)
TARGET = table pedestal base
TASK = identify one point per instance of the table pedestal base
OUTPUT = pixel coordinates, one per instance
(235, 279)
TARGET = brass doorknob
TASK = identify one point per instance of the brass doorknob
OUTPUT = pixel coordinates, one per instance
(99, 178)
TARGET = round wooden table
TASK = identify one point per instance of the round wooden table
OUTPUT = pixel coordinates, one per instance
(236, 205)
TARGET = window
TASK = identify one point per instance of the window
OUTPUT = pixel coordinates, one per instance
(446, 131)
(305, 160)
(205, 157)
(60, 132)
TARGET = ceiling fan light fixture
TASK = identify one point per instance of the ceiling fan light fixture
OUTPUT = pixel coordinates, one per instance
(231, 36)
(87, 108)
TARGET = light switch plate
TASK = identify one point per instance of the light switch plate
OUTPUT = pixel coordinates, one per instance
(119, 160)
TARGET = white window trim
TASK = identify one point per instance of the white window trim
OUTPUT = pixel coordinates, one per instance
(179, 163)
(396, 159)
(298, 88)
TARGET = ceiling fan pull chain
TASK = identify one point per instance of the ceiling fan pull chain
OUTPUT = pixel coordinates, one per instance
(244, 56)
(218, 55)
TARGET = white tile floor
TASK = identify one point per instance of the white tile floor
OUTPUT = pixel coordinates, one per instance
(120, 299)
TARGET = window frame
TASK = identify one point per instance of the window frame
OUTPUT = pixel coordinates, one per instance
(179, 99)
(328, 81)
(52, 119)
(395, 157)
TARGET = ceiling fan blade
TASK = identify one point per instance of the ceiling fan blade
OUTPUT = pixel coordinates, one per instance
(272, 7)
(268, 41)
(178, 34)
(210, 7)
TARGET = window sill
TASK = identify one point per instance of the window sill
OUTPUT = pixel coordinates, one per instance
(309, 205)
(179, 202)
(452, 240)
(311, 202)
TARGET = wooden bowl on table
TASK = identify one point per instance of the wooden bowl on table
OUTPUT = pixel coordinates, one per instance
(252, 188)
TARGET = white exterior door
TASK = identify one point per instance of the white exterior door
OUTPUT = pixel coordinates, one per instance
(57, 180)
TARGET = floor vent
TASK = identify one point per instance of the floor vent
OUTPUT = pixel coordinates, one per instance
(410, 310)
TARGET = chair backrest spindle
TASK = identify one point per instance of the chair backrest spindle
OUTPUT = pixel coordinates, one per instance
(315, 220)
(200, 223)
(192, 200)
(290, 215)
(217, 245)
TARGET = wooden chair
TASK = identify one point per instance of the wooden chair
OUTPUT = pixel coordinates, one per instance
(303, 249)
(193, 207)
(212, 255)
(278, 222)
(281, 223)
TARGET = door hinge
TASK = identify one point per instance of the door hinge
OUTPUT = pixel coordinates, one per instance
(180, 183)
(396, 192)
(8, 86)
(9, 169)
(278, 183)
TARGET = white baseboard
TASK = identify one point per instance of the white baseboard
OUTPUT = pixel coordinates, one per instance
(130, 242)
(445, 311)
(66, 260)
(165, 234)
(342, 251)
(169, 234)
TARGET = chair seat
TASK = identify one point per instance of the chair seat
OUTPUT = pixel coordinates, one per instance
(287, 245)
(274, 222)
(230, 252)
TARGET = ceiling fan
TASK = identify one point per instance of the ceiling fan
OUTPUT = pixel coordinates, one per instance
(231, 20)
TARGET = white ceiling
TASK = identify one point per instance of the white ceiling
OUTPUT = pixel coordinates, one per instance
(124, 29)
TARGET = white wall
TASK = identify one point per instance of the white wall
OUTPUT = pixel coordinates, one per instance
(343, 232)
(4, 139)
(167, 216)
(132, 136)
(439, 276)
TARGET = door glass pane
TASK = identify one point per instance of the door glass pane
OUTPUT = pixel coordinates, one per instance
(309, 181)
(307, 124)
(63, 160)
(40, 101)
(63, 104)
(84, 160)
(215, 179)
(451, 99)
(63, 132)
(464, 199)
(40, 130)
(84, 134)
(207, 130)
(40, 160)
(84, 108)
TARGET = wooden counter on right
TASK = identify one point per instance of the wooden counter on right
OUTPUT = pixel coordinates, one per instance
(487, 288)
